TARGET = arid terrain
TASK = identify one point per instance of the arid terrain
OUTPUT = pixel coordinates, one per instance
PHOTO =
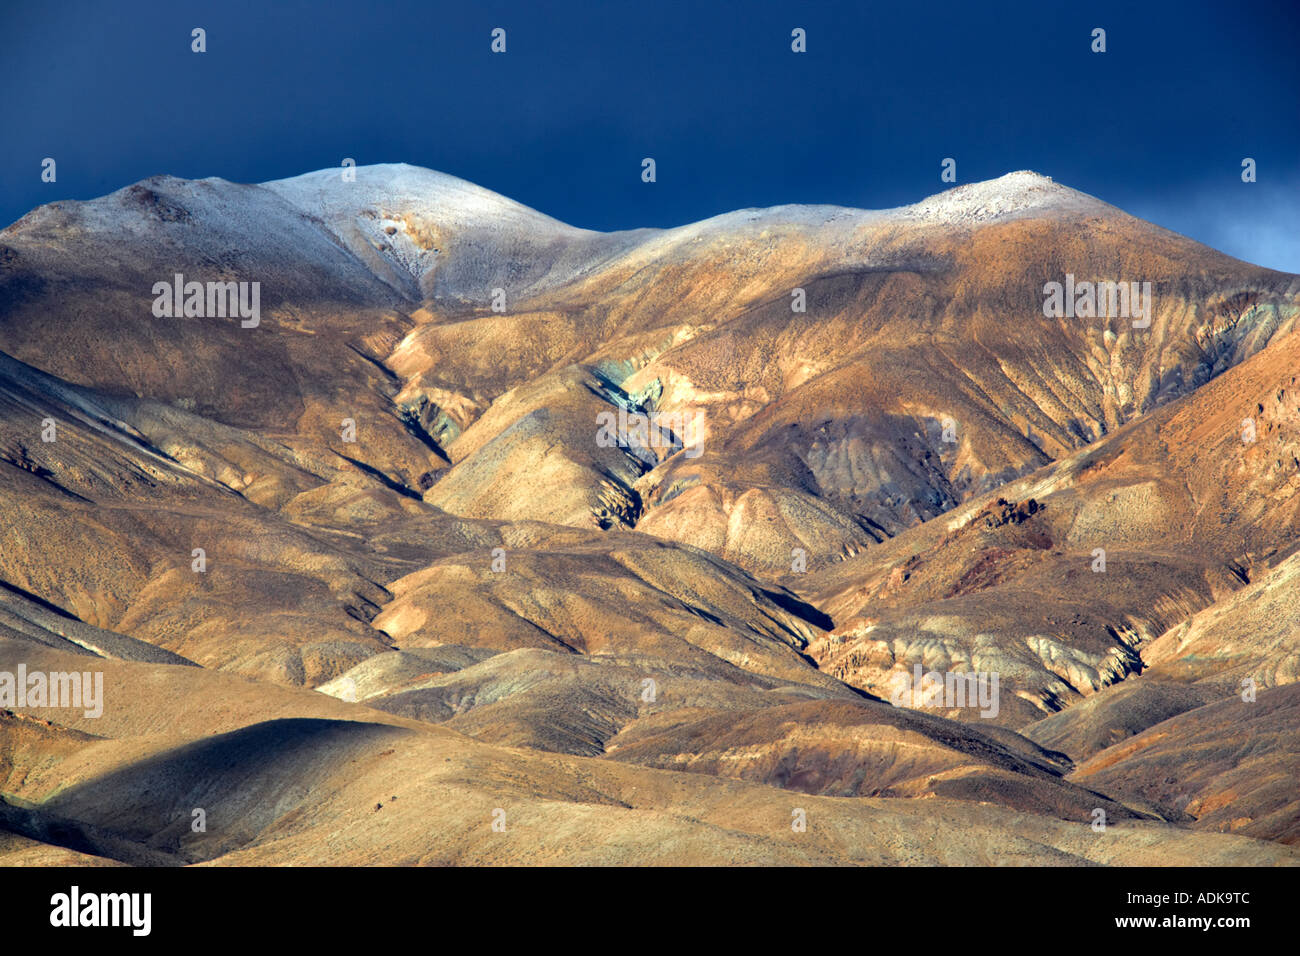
(492, 540)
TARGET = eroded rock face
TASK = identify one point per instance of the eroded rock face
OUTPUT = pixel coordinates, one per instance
(640, 535)
(1129, 539)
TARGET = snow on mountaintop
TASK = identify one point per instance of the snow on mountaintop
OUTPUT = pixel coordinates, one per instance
(1005, 197)
(428, 233)
(400, 187)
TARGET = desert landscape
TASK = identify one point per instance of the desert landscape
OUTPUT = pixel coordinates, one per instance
(454, 534)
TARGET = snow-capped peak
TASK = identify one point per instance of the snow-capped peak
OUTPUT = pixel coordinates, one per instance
(1007, 196)
(399, 187)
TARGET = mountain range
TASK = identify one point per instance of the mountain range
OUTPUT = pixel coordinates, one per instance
(496, 540)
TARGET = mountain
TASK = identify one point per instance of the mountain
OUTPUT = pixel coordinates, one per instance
(422, 505)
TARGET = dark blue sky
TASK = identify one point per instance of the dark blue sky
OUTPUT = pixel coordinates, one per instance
(1158, 124)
